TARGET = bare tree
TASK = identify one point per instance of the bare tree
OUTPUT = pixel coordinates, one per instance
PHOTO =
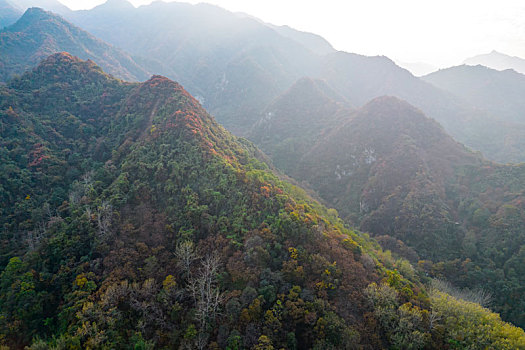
(433, 319)
(35, 236)
(49, 218)
(207, 296)
(75, 194)
(478, 295)
(87, 180)
(81, 188)
(185, 254)
(104, 214)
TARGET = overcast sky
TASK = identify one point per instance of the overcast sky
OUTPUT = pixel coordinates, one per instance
(439, 32)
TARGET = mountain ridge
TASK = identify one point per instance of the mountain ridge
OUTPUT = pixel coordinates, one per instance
(499, 61)
(499, 93)
(139, 223)
(8, 13)
(39, 33)
(394, 172)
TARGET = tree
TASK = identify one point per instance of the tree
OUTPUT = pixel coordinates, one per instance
(206, 294)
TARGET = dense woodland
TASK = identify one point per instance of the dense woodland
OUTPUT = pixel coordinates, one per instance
(394, 172)
(130, 219)
(135, 220)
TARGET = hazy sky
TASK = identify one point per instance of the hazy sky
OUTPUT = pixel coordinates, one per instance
(439, 32)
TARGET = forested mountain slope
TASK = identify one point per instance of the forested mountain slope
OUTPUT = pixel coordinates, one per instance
(234, 64)
(498, 92)
(8, 13)
(39, 33)
(237, 66)
(54, 6)
(132, 219)
(293, 122)
(396, 173)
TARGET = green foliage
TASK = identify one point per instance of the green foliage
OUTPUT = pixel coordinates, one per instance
(395, 173)
(156, 238)
(27, 42)
(467, 325)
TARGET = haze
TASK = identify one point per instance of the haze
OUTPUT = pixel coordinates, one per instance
(441, 33)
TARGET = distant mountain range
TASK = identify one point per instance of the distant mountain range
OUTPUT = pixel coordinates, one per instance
(500, 93)
(54, 6)
(38, 34)
(498, 60)
(237, 65)
(9, 14)
(234, 64)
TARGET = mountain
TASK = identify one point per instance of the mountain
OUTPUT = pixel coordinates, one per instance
(38, 33)
(378, 157)
(361, 78)
(497, 60)
(498, 92)
(294, 121)
(54, 6)
(135, 221)
(8, 13)
(234, 64)
(314, 42)
(237, 66)
(396, 173)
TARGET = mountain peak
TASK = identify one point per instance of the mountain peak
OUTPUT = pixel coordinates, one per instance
(390, 103)
(8, 13)
(159, 81)
(61, 66)
(393, 117)
(61, 58)
(307, 89)
(155, 79)
(499, 61)
(116, 5)
(37, 12)
(39, 33)
(31, 16)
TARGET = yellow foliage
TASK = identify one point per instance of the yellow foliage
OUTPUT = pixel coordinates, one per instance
(472, 326)
(169, 282)
(293, 253)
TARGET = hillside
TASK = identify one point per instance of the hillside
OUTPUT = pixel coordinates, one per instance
(383, 152)
(313, 42)
(54, 6)
(9, 14)
(497, 60)
(294, 121)
(135, 221)
(396, 173)
(237, 66)
(498, 92)
(38, 33)
(234, 64)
